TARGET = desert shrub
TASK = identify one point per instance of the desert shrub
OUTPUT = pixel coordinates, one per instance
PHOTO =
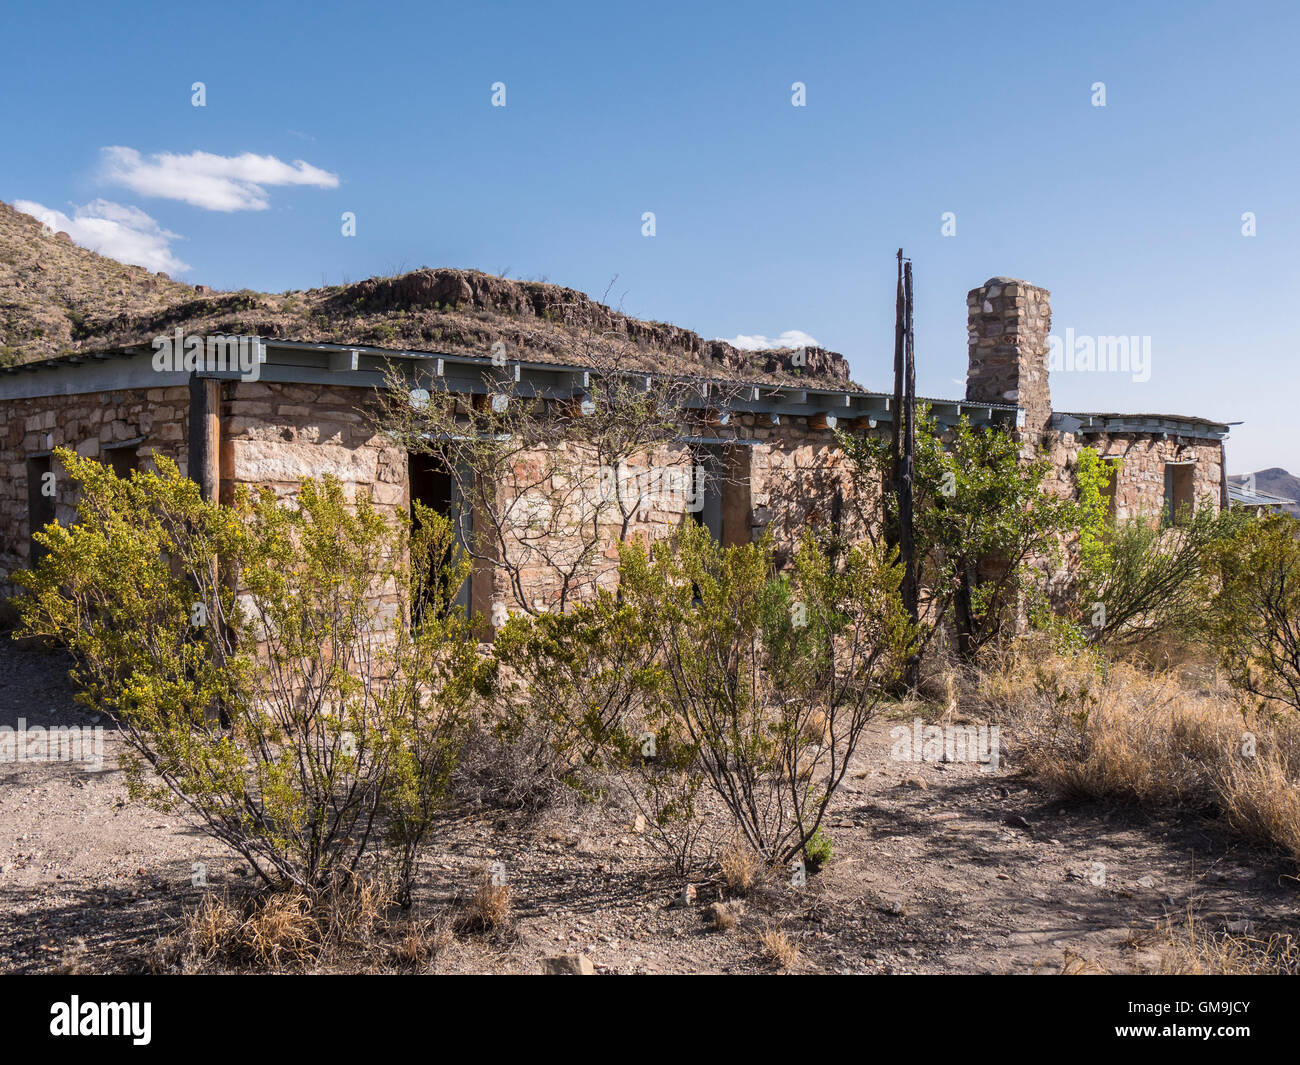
(1092, 478)
(659, 770)
(818, 851)
(568, 682)
(751, 655)
(982, 521)
(1142, 580)
(1257, 609)
(266, 663)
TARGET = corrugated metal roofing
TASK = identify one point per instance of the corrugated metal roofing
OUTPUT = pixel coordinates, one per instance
(1239, 493)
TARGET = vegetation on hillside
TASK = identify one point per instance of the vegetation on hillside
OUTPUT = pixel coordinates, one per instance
(58, 299)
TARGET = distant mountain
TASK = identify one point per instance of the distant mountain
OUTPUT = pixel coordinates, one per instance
(60, 299)
(1277, 482)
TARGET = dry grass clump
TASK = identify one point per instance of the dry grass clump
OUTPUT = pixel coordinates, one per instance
(488, 909)
(779, 948)
(1111, 730)
(816, 728)
(421, 944)
(724, 916)
(740, 867)
(293, 930)
(1262, 799)
(275, 930)
(1075, 964)
(1190, 949)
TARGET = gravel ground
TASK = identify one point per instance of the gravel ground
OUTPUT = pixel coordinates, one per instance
(937, 868)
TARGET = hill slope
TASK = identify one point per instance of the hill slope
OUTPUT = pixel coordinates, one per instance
(56, 298)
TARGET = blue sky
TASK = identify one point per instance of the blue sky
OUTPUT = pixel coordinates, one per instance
(768, 217)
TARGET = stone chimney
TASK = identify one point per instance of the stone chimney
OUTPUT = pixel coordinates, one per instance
(1008, 323)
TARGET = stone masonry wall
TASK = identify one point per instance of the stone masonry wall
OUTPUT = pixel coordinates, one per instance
(789, 475)
(1140, 485)
(85, 423)
(276, 435)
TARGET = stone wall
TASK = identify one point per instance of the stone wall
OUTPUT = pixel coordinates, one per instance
(800, 479)
(277, 435)
(86, 423)
(784, 474)
(1140, 484)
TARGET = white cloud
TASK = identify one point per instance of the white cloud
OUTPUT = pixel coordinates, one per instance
(214, 182)
(791, 338)
(123, 233)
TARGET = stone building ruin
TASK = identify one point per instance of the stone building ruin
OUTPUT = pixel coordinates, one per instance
(304, 416)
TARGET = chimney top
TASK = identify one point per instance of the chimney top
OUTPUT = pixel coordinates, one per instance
(1008, 328)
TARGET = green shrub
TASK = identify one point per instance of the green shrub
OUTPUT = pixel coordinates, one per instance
(264, 662)
(1152, 579)
(982, 521)
(568, 682)
(817, 851)
(770, 678)
(1257, 608)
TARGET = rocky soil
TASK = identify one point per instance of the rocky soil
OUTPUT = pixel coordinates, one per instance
(937, 868)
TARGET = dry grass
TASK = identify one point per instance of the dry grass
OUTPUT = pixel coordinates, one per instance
(779, 948)
(488, 909)
(740, 867)
(421, 944)
(281, 932)
(723, 916)
(293, 930)
(816, 728)
(1115, 731)
(1191, 949)
(1075, 964)
(1262, 801)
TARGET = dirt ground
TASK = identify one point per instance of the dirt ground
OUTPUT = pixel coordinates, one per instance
(937, 868)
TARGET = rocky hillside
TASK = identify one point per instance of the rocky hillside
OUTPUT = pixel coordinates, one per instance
(56, 298)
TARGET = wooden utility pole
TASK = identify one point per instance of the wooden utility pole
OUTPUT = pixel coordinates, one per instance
(204, 464)
(904, 447)
(896, 452)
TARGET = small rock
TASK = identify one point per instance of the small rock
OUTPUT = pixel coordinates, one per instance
(686, 898)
